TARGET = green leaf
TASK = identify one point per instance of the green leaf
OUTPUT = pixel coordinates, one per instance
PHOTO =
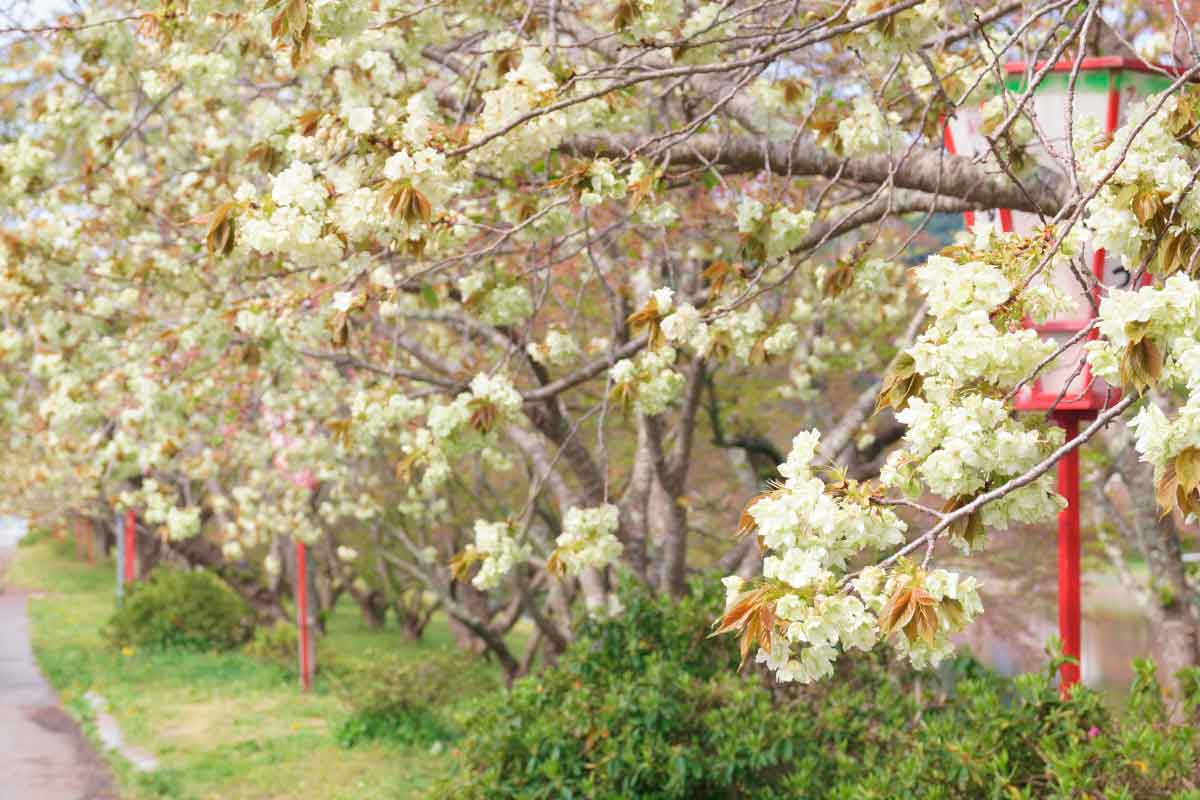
(429, 296)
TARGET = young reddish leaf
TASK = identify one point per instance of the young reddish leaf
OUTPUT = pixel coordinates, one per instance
(622, 396)
(1175, 252)
(913, 611)
(1141, 365)
(307, 122)
(219, 239)
(460, 564)
(507, 60)
(640, 189)
(1189, 502)
(415, 247)
(898, 611)
(404, 467)
(297, 11)
(1136, 330)
(926, 623)
(340, 326)
(758, 353)
(793, 89)
(716, 274)
(302, 46)
(969, 528)
(340, 428)
(647, 319)
(753, 249)
(1146, 205)
(627, 12)
(746, 523)
(279, 25)
(753, 615)
(406, 202)
(1187, 469)
(900, 382)
(1166, 491)
(838, 279)
(483, 414)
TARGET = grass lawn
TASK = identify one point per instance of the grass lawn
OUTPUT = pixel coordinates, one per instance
(221, 725)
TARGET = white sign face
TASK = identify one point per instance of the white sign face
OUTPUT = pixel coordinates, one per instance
(1049, 146)
(966, 138)
(1065, 370)
(1075, 283)
(1116, 276)
(1090, 277)
(1051, 151)
(1113, 273)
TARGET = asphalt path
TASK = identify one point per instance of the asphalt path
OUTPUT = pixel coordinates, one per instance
(43, 754)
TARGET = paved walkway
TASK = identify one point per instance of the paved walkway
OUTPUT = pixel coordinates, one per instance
(43, 754)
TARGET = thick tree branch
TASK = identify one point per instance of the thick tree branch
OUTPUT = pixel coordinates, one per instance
(923, 170)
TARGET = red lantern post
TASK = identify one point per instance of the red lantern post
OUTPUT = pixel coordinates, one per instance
(130, 573)
(1069, 391)
(305, 479)
(1069, 616)
(302, 621)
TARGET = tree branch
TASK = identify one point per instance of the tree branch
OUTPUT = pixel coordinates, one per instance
(933, 172)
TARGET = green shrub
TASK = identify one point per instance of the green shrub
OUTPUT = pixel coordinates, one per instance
(392, 696)
(992, 737)
(64, 548)
(645, 706)
(278, 644)
(35, 536)
(181, 609)
(418, 726)
(640, 706)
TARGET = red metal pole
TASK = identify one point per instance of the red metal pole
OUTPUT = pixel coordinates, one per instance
(130, 544)
(1068, 557)
(302, 615)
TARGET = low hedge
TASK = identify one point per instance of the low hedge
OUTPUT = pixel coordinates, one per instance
(646, 706)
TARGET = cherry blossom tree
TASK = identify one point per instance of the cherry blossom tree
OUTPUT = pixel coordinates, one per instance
(490, 301)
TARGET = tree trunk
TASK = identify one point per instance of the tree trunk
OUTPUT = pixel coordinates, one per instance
(412, 623)
(670, 518)
(372, 604)
(1177, 600)
(1173, 602)
(1177, 642)
(201, 552)
(150, 551)
(635, 525)
(474, 602)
